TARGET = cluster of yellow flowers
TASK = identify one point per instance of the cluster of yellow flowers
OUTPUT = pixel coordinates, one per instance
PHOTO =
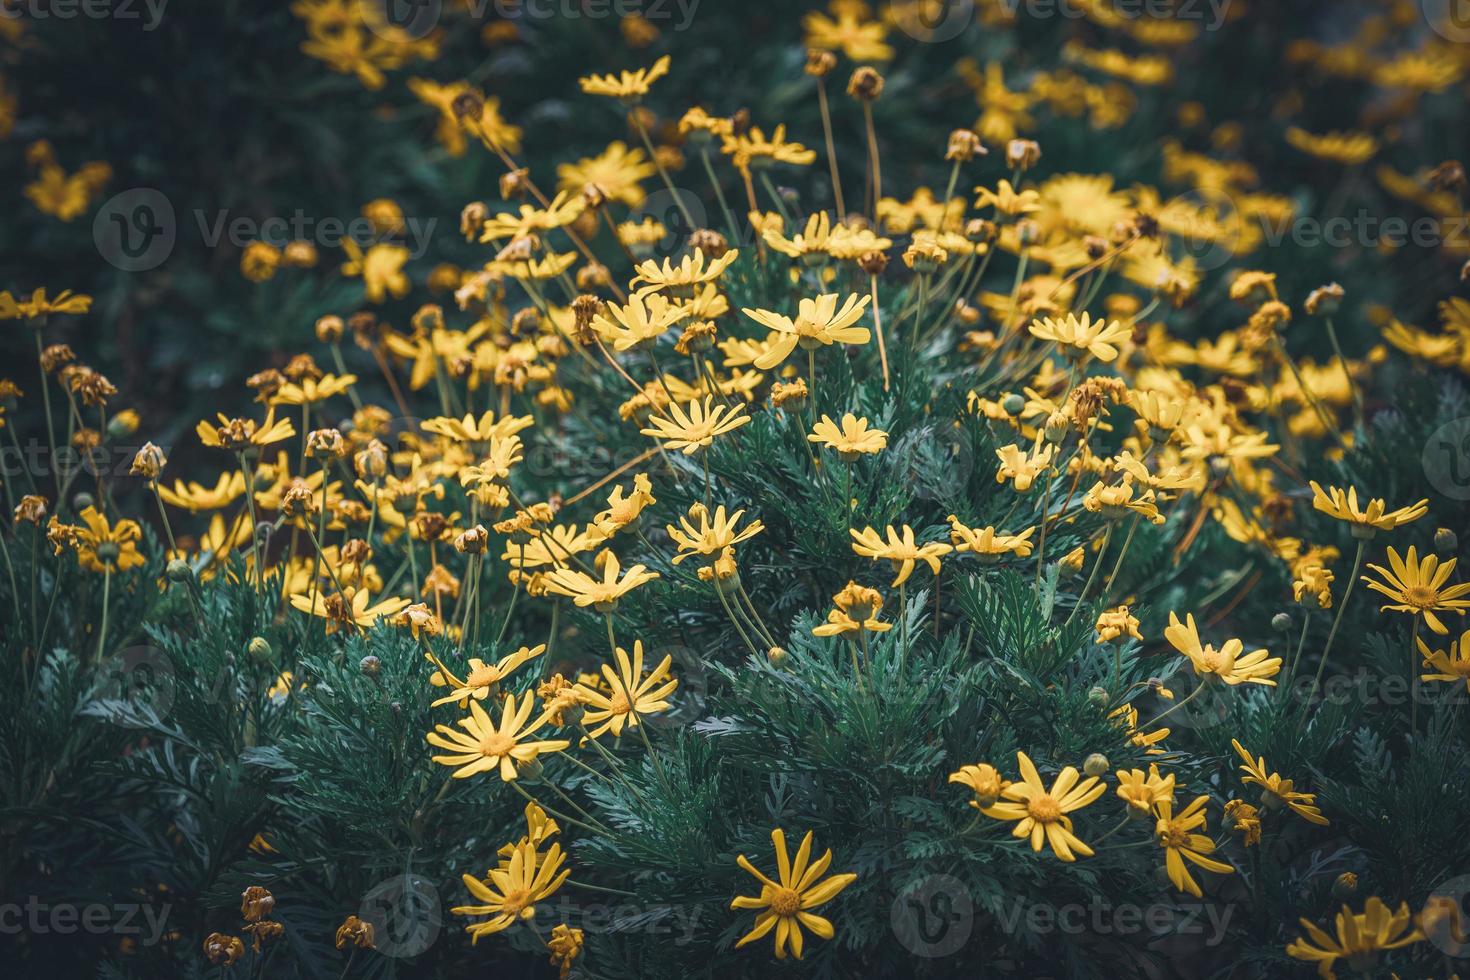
(1106, 425)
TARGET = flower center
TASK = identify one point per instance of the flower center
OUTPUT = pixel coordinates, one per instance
(496, 744)
(1173, 836)
(1211, 660)
(516, 900)
(1044, 809)
(785, 901)
(482, 676)
(1421, 596)
(619, 703)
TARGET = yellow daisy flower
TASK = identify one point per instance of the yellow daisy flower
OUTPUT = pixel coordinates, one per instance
(484, 746)
(1418, 587)
(786, 902)
(1041, 813)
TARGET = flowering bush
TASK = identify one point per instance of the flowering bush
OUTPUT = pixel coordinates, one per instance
(821, 537)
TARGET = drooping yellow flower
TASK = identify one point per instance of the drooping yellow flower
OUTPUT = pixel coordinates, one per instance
(1006, 201)
(624, 508)
(629, 696)
(527, 220)
(1077, 337)
(602, 595)
(692, 270)
(1127, 716)
(1365, 523)
(1225, 664)
(712, 534)
(510, 892)
(1143, 791)
(484, 746)
(809, 244)
(819, 323)
(860, 40)
(1176, 836)
(39, 305)
(752, 149)
(617, 173)
(857, 609)
(986, 543)
(1245, 820)
(477, 432)
(630, 86)
(696, 426)
(787, 902)
(638, 323)
(482, 679)
(1041, 813)
(984, 781)
(852, 440)
(1418, 587)
(1117, 501)
(381, 269)
(898, 548)
(1349, 149)
(309, 391)
(1276, 791)
(1360, 938)
(1115, 624)
(103, 546)
(1452, 664)
(352, 609)
(195, 497)
(241, 434)
(565, 945)
(1021, 467)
